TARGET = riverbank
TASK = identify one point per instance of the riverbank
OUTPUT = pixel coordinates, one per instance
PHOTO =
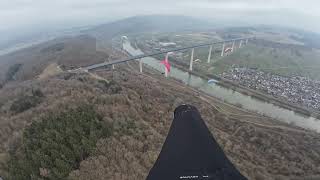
(283, 103)
(253, 93)
(227, 93)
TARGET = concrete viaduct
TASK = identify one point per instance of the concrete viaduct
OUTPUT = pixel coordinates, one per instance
(242, 41)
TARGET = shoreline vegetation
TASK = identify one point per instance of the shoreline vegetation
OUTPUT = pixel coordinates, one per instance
(253, 93)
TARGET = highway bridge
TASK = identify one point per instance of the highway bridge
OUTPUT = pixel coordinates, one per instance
(139, 57)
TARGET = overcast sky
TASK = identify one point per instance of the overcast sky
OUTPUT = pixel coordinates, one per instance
(24, 15)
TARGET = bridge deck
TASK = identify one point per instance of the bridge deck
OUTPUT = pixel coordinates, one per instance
(95, 66)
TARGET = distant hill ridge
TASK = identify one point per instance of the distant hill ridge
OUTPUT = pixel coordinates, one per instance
(158, 23)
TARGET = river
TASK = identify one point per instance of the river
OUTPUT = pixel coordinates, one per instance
(229, 95)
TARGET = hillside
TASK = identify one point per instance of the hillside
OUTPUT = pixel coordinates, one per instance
(111, 124)
(137, 109)
(151, 23)
(67, 52)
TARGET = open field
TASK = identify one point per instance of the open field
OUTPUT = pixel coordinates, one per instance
(288, 61)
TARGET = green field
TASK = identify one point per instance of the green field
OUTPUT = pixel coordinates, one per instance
(284, 61)
(272, 52)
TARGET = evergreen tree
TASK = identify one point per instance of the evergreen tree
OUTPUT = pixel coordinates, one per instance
(55, 146)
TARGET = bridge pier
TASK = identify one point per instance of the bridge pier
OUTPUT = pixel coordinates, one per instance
(113, 67)
(140, 65)
(247, 41)
(209, 56)
(122, 48)
(233, 44)
(189, 79)
(191, 60)
(222, 52)
(240, 44)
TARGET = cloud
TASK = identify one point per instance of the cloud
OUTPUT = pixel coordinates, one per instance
(17, 15)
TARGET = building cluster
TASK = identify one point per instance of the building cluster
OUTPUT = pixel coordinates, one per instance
(155, 45)
(298, 90)
(160, 46)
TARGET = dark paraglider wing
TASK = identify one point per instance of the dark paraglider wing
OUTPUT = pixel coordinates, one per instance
(191, 152)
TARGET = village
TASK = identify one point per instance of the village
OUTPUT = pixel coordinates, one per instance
(295, 89)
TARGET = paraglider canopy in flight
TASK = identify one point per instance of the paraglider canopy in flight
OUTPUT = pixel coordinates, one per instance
(191, 152)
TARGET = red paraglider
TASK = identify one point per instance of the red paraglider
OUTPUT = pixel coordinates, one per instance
(166, 63)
